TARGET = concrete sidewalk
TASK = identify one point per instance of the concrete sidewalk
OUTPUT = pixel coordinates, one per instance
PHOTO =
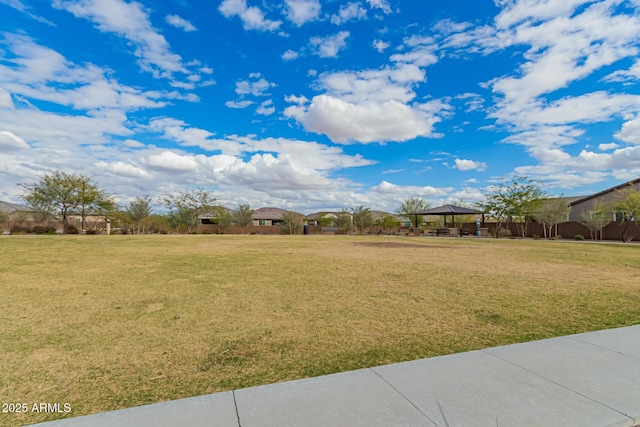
(590, 379)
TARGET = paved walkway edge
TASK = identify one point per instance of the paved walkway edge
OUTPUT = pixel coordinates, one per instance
(590, 379)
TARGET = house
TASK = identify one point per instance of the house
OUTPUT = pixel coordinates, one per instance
(271, 216)
(326, 217)
(13, 214)
(606, 197)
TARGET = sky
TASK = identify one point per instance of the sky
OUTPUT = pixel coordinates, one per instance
(317, 105)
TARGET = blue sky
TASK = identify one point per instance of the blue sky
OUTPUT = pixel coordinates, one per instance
(320, 104)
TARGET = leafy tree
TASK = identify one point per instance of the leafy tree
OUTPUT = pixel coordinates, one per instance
(92, 199)
(410, 206)
(242, 216)
(344, 221)
(516, 201)
(186, 207)
(551, 213)
(326, 221)
(291, 223)
(157, 224)
(595, 220)
(225, 219)
(387, 223)
(64, 193)
(138, 210)
(630, 208)
(362, 218)
(3, 218)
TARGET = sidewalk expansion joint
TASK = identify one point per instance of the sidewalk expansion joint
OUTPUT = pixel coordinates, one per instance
(560, 385)
(403, 396)
(604, 348)
(233, 393)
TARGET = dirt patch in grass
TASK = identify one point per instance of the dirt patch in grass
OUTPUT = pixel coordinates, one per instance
(105, 323)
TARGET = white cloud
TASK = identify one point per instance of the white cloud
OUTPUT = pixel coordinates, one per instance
(467, 165)
(330, 46)
(302, 11)
(400, 193)
(180, 23)
(290, 55)
(9, 141)
(352, 11)
(630, 132)
(607, 147)
(238, 104)
(123, 169)
(292, 99)
(252, 17)
(380, 4)
(256, 86)
(380, 45)
(171, 162)
(131, 21)
(266, 108)
(365, 122)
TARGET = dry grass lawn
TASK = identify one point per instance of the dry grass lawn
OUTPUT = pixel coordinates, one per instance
(104, 322)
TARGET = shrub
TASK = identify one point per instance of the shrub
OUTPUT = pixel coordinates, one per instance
(206, 232)
(91, 231)
(536, 237)
(72, 229)
(16, 229)
(579, 237)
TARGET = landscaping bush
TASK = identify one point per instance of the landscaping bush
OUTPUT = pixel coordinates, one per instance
(72, 229)
(206, 232)
(44, 229)
(579, 237)
(91, 231)
(16, 229)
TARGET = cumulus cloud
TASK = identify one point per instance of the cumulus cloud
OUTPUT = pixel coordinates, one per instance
(256, 85)
(380, 45)
(345, 122)
(352, 11)
(468, 165)
(380, 4)
(171, 162)
(181, 23)
(266, 108)
(330, 46)
(290, 55)
(239, 104)
(630, 132)
(302, 11)
(252, 18)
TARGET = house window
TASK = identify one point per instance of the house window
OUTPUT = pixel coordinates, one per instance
(262, 222)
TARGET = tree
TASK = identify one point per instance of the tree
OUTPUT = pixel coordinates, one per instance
(92, 199)
(242, 216)
(64, 193)
(630, 209)
(186, 207)
(344, 221)
(551, 213)
(410, 206)
(387, 223)
(3, 218)
(596, 219)
(225, 219)
(291, 223)
(138, 210)
(515, 201)
(362, 218)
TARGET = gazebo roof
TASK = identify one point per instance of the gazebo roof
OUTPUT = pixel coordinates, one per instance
(448, 210)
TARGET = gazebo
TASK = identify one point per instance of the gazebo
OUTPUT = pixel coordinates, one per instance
(446, 210)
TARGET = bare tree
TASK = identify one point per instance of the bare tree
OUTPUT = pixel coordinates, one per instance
(596, 219)
(138, 210)
(551, 213)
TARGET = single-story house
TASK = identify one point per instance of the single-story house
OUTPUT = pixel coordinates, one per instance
(270, 216)
(14, 213)
(606, 197)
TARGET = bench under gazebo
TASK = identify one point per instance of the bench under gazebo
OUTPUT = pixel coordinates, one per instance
(449, 210)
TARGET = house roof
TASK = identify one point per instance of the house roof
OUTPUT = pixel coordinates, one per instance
(317, 215)
(270, 213)
(448, 210)
(12, 207)
(608, 190)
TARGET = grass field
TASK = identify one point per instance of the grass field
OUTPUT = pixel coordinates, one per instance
(104, 322)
